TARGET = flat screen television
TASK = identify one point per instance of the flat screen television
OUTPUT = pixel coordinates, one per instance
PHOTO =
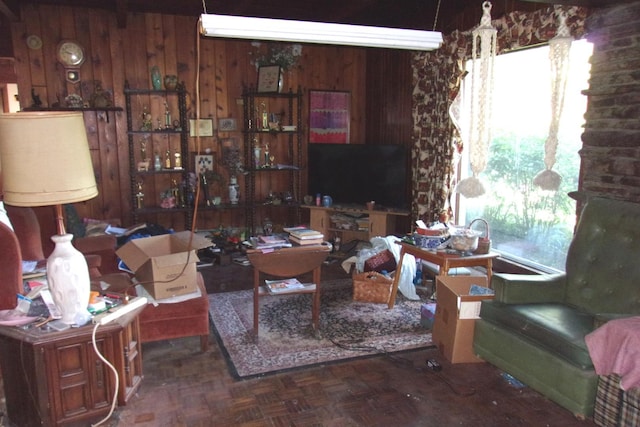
(358, 173)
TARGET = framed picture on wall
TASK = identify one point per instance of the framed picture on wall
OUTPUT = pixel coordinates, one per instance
(329, 116)
(203, 162)
(269, 78)
(227, 125)
(204, 126)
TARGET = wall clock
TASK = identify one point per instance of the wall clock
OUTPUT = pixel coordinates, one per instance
(70, 54)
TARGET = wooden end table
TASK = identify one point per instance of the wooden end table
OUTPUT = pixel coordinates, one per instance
(288, 262)
(444, 260)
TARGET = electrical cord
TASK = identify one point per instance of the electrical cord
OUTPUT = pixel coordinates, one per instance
(431, 366)
(115, 374)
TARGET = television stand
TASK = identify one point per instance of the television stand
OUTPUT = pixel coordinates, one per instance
(371, 223)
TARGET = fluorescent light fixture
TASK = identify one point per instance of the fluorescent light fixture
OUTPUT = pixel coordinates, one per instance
(241, 27)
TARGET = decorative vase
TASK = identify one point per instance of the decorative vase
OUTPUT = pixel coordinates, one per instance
(256, 156)
(234, 190)
(156, 78)
(170, 82)
(69, 282)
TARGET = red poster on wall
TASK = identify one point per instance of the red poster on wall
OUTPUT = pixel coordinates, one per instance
(329, 116)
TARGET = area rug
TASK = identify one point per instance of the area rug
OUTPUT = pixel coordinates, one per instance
(348, 329)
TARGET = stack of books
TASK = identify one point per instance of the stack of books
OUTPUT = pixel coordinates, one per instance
(272, 242)
(305, 236)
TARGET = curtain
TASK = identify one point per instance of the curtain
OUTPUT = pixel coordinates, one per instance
(437, 76)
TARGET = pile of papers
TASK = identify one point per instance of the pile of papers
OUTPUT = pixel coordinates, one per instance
(273, 241)
(283, 286)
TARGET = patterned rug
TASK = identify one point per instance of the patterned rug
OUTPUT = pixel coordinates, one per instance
(348, 329)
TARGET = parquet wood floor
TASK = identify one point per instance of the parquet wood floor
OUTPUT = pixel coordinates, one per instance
(183, 387)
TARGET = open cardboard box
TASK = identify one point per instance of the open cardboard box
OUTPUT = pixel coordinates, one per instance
(456, 314)
(165, 265)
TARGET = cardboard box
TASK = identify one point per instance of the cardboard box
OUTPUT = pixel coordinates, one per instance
(158, 262)
(456, 314)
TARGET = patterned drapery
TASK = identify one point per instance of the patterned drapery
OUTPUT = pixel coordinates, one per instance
(437, 76)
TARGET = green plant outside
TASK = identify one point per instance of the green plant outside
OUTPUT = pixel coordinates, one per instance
(524, 220)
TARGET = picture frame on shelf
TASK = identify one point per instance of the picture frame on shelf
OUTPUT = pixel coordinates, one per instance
(203, 162)
(269, 79)
(204, 126)
(329, 116)
(227, 125)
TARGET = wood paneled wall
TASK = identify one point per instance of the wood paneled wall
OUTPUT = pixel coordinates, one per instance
(116, 55)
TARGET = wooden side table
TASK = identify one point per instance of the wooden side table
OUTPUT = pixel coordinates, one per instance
(444, 260)
(288, 262)
(55, 378)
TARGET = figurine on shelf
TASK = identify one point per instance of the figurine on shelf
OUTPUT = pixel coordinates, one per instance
(167, 159)
(167, 117)
(147, 125)
(100, 98)
(177, 164)
(143, 149)
(157, 163)
(266, 155)
(265, 118)
(140, 197)
(234, 190)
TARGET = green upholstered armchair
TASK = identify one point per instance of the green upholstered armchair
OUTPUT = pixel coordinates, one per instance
(534, 329)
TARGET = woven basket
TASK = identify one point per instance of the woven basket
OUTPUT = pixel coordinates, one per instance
(371, 286)
(484, 242)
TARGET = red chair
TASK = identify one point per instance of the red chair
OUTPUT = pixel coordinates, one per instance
(10, 268)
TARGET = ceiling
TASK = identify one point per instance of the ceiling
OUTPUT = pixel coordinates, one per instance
(439, 15)
(447, 15)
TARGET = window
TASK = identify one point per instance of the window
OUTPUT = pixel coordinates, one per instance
(526, 223)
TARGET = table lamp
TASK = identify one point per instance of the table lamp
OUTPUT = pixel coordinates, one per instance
(46, 162)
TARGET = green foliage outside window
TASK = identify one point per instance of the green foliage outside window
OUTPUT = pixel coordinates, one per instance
(526, 221)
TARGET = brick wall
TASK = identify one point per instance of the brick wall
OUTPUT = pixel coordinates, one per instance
(611, 140)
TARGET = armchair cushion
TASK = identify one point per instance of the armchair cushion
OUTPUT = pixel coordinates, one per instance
(557, 327)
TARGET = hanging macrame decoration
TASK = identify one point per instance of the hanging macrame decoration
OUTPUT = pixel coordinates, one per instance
(559, 48)
(483, 53)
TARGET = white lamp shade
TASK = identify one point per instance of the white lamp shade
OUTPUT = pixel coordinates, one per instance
(45, 159)
(243, 27)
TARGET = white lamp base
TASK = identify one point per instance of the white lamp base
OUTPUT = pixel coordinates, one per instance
(68, 278)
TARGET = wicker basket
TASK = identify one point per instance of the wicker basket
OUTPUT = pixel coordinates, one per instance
(484, 242)
(371, 286)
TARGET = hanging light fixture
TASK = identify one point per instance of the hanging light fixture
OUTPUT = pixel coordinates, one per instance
(559, 49)
(482, 55)
(242, 27)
